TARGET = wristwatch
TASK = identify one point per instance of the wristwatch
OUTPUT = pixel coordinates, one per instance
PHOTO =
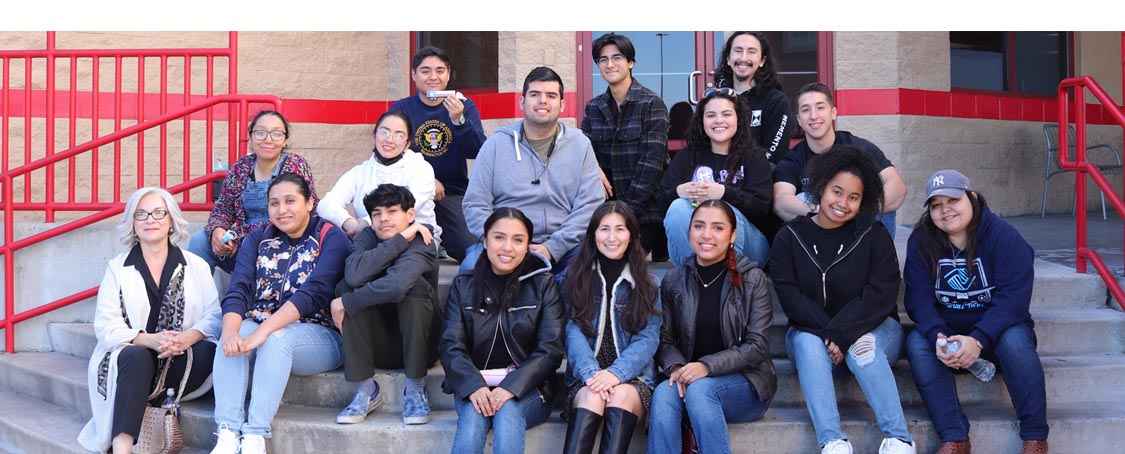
(461, 121)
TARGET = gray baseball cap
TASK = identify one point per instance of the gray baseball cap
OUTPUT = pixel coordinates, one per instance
(949, 183)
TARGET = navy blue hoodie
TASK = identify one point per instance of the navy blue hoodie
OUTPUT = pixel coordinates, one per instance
(981, 299)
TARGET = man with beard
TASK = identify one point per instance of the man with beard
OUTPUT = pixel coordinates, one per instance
(750, 69)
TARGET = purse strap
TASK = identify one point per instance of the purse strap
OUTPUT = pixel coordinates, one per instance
(159, 390)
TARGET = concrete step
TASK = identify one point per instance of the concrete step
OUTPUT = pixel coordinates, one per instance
(34, 426)
(30, 425)
(61, 379)
(1075, 428)
(1060, 332)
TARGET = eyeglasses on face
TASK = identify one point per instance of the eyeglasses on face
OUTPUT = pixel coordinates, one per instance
(398, 137)
(617, 59)
(261, 134)
(158, 214)
(724, 90)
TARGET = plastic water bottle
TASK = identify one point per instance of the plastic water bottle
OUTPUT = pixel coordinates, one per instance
(169, 399)
(982, 368)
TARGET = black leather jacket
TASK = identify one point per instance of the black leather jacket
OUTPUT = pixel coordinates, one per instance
(746, 317)
(532, 326)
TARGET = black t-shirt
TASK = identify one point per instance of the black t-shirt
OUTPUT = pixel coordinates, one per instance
(708, 314)
(794, 168)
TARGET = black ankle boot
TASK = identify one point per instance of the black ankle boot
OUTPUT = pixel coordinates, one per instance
(581, 430)
(619, 425)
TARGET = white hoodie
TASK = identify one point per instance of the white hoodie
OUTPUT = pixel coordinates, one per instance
(412, 171)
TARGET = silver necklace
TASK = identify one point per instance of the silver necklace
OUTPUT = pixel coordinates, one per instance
(708, 284)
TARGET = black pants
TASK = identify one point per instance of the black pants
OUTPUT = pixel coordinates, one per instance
(654, 240)
(136, 369)
(455, 234)
(393, 336)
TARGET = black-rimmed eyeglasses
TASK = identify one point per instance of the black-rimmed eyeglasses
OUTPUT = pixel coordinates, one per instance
(158, 214)
(261, 134)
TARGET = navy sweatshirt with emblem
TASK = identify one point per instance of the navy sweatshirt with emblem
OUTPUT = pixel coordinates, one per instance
(445, 145)
(982, 298)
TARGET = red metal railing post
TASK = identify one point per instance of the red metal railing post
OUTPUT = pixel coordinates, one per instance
(9, 267)
(49, 142)
(1080, 157)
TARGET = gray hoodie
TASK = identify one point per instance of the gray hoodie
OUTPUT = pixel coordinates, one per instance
(559, 196)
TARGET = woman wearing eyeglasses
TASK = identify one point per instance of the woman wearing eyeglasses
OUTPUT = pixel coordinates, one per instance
(391, 162)
(241, 206)
(722, 162)
(155, 303)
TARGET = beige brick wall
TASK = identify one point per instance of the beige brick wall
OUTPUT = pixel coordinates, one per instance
(1098, 54)
(1004, 159)
(918, 60)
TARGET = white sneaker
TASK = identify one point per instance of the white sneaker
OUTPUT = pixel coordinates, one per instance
(228, 441)
(253, 444)
(837, 447)
(896, 446)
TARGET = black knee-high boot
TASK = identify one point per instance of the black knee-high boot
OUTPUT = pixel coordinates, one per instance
(581, 430)
(619, 425)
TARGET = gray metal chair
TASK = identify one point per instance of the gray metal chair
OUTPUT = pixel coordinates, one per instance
(1051, 130)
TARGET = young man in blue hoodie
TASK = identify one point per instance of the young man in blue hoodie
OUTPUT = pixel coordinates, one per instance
(447, 132)
(540, 167)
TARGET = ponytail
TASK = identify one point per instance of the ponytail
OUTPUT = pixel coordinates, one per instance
(732, 266)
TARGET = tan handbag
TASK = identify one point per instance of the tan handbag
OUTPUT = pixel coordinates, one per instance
(160, 428)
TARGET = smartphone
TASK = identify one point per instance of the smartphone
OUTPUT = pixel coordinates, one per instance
(434, 94)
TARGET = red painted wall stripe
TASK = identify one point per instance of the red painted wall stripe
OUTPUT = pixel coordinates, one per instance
(930, 103)
(501, 106)
(492, 106)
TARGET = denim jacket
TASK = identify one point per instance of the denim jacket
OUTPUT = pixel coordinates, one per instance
(635, 351)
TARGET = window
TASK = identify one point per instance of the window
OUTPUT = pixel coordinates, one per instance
(474, 57)
(1023, 62)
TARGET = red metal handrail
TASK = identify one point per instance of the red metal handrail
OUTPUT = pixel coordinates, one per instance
(6, 178)
(1079, 85)
(149, 109)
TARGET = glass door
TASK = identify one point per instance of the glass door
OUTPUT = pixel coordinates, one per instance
(674, 64)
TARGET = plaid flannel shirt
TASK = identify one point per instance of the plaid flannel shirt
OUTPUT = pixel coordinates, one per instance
(632, 148)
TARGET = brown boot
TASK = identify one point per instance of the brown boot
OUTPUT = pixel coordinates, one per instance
(1035, 447)
(955, 447)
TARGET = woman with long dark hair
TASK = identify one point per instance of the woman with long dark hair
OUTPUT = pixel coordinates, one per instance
(968, 278)
(241, 206)
(722, 163)
(392, 161)
(714, 342)
(612, 332)
(276, 315)
(502, 339)
(837, 279)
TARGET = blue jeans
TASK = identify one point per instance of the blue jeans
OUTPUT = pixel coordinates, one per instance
(749, 241)
(710, 402)
(200, 245)
(815, 370)
(508, 425)
(300, 348)
(1014, 354)
(472, 254)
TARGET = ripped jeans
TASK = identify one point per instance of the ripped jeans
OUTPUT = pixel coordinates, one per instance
(871, 368)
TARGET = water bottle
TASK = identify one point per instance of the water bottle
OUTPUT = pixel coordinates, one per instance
(982, 368)
(169, 399)
(217, 185)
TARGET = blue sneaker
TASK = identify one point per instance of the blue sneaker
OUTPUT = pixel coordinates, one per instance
(361, 406)
(416, 408)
